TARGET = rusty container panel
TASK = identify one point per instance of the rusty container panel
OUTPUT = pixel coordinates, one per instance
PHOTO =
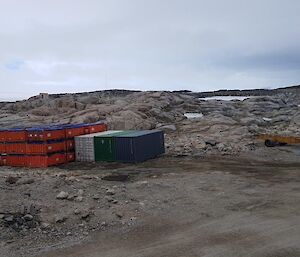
(16, 160)
(95, 127)
(15, 135)
(41, 134)
(3, 160)
(2, 148)
(72, 131)
(70, 145)
(15, 148)
(43, 161)
(70, 156)
(2, 136)
(45, 148)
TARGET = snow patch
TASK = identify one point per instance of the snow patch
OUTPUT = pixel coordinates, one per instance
(193, 115)
(226, 98)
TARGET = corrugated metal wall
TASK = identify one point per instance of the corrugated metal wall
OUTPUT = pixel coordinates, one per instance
(139, 146)
(85, 146)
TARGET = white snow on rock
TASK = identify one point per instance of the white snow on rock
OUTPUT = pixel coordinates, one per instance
(226, 98)
(193, 115)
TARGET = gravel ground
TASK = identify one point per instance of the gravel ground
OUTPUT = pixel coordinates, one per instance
(166, 207)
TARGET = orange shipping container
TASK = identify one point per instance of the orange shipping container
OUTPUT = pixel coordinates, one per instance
(45, 148)
(15, 135)
(16, 160)
(37, 135)
(2, 135)
(15, 148)
(74, 131)
(70, 145)
(70, 157)
(2, 160)
(40, 161)
(95, 128)
(2, 148)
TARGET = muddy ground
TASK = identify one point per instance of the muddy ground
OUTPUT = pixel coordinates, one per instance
(166, 207)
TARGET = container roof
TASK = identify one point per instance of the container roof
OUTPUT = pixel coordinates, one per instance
(109, 132)
(117, 133)
(138, 133)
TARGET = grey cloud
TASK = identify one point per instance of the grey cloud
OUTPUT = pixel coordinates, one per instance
(137, 44)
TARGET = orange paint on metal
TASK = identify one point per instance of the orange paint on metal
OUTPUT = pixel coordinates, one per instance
(280, 139)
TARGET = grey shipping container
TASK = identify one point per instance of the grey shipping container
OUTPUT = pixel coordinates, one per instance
(84, 146)
(139, 146)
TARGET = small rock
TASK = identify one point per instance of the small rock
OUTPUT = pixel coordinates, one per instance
(96, 197)
(60, 219)
(119, 215)
(85, 215)
(2, 216)
(9, 218)
(71, 197)
(109, 199)
(87, 177)
(79, 199)
(80, 192)
(142, 183)
(27, 194)
(45, 225)
(85, 233)
(71, 179)
(69, 233)
(211, 142)
(110, 192)
(28, 217)
(115, 201)
(62, 195)
(77, 211)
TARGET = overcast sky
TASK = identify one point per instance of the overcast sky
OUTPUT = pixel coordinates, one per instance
(85, 45)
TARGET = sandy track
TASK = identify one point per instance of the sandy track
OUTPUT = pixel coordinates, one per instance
(215, 209)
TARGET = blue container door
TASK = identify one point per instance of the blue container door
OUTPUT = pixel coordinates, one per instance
(125, 149)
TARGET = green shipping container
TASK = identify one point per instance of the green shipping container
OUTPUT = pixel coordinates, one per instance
(105, 146)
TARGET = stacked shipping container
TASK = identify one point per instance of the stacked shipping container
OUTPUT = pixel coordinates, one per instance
(121, 146)
(42, 146)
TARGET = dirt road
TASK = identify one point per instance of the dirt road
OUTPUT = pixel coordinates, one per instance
(204, 208)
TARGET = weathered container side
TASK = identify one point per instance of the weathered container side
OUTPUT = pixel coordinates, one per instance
(139, 146)
(105, 146)
(85, 147)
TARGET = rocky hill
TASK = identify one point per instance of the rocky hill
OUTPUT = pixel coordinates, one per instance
(227, 127)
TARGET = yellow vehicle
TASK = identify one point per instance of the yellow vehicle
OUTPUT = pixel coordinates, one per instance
(276, 140)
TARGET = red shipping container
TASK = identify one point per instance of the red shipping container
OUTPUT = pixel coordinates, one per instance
(70, 157)
(46, 148)
(37, 135)
(17, 135)
(2, 135)
(72, 132)
(15, 148)
(2, 160)
(2, 148)
(44, 161)
(70, 145)
(95, 128)
(16, 160)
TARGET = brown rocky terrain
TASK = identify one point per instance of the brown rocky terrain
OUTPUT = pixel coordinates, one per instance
(217, 191)
(228, 127)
